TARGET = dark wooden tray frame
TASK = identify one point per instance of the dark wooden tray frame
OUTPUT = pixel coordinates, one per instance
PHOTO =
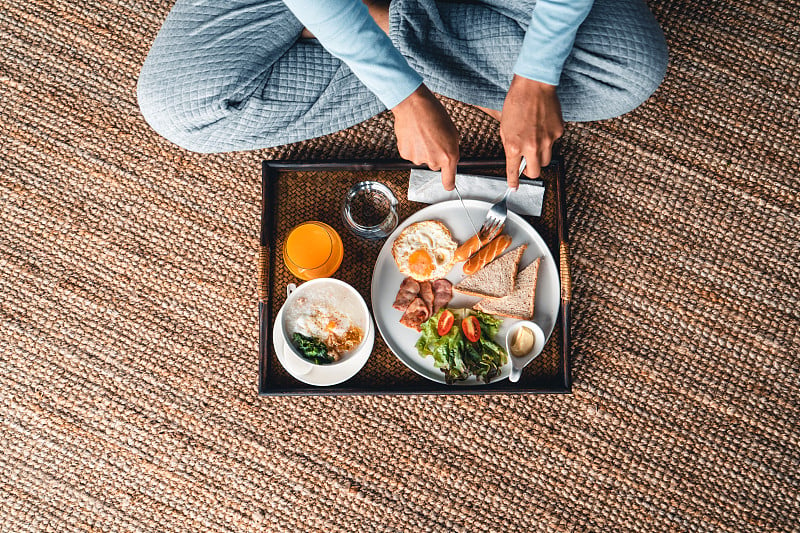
(270, 174)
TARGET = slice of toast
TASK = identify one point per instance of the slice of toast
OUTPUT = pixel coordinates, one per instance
(496, 279)
(518, 304)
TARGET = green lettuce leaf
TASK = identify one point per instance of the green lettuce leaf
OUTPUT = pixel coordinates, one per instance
(455, 355)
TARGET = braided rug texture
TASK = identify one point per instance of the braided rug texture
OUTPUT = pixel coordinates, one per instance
(128, 324)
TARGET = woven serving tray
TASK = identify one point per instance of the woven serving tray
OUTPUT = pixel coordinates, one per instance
(295, 192)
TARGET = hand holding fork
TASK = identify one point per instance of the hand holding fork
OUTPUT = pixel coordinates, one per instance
(496, 217)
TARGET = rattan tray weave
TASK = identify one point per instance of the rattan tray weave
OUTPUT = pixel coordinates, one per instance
(294, 192)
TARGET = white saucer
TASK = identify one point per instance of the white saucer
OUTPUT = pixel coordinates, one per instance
(320, 375)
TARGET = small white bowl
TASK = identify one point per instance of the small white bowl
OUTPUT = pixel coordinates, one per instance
(294, 293)
(518, 363)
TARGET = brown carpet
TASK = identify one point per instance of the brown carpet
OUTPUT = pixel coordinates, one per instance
(128, 318)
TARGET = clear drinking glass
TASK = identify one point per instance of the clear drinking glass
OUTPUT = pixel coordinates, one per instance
(370, 210)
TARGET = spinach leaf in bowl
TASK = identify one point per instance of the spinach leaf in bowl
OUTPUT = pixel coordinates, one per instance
(312, 349)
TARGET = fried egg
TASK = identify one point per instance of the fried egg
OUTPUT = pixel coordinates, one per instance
(425, 250)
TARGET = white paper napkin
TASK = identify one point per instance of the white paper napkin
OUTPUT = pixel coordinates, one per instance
(426, 186)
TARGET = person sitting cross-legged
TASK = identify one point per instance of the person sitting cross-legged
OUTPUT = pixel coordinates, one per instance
(241, 75)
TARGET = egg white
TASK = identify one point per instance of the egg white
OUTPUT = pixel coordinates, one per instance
(433, 237)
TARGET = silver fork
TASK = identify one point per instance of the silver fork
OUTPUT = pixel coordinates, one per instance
(498, 213)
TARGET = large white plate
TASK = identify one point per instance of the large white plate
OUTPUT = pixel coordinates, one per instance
(386, 280)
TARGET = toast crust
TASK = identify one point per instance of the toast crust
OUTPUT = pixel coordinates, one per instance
(495, 306)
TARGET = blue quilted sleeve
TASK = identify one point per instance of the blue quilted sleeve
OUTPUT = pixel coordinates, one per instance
(549, 39)
(346, 29)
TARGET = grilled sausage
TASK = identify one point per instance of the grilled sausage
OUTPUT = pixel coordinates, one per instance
(471, 246)
(487, 254)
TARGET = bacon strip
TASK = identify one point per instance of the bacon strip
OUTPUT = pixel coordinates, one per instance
(442, 294)
(426, 293)
(420, 300)
(408, 291)
(416, 313)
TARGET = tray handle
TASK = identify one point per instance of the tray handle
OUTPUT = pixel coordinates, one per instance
(263, 274)
(564, 274)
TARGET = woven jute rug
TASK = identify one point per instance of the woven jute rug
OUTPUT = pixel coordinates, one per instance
(128, 323)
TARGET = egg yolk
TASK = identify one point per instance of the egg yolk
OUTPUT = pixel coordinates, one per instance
(420, 262)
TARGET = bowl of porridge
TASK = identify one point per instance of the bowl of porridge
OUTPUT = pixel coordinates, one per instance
(325, 322)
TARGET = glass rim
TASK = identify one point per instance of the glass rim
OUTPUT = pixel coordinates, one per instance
(375, 186)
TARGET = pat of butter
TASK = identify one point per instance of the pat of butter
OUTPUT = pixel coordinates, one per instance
(522, 342)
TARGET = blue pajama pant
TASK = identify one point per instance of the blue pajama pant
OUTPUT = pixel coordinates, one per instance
(233, 75)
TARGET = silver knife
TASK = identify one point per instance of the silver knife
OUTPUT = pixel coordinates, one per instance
(471, 223)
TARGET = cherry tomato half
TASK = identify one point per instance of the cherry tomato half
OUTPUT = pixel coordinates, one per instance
(471, 328)
(445, 323)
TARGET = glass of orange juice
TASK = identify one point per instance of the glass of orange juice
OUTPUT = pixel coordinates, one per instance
(313, 250)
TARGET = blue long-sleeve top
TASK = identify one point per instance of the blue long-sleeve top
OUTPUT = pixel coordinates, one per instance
(346, 29)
